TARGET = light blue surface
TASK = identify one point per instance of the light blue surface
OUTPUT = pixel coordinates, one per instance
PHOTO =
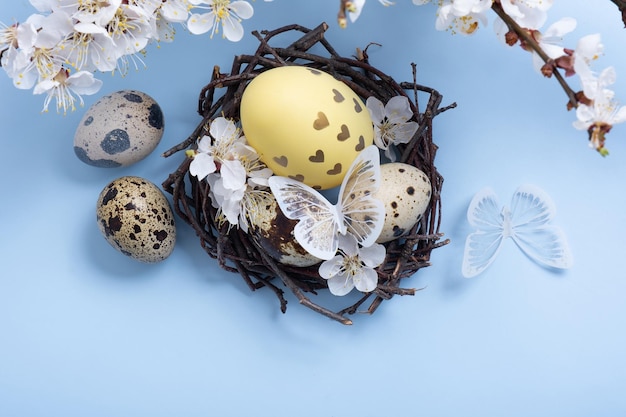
(85, 331)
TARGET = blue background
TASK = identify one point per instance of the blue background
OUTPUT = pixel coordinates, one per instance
(85, 331)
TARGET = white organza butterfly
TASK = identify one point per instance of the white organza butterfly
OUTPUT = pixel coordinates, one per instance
(320, 222)
(526, 222)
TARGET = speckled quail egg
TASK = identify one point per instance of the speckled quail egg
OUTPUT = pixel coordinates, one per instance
(119, 129)
(274, 233)
(405, 190)
(136, 219)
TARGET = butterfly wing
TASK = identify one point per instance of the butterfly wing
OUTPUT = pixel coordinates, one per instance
(532, 210)
(363, 215)
(482, 245)
(318, 222)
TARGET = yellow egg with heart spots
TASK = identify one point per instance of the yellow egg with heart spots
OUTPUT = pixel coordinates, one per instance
(305, 124)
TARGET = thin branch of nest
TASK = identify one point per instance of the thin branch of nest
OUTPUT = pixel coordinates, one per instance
(236, 251)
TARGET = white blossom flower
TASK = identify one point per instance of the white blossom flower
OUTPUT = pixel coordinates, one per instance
(352, 267)
(239, 193)
(42, 5)
(66, 89)
(170, 12)
(588, 49)
(241, 188)
(466, 7)
(175, 11)
(237, 177)
(551, 40)
(215, 148)
(93, 11)
(596, 86)
(461, 16)
(529, 14)
(356, 6)
(27, 68)
(90, 51)
(203, 163)
(8, 37)
(391, 123)
(227, 190)
(226, 13)
(603, 112)
(130, 30)
(31, 56)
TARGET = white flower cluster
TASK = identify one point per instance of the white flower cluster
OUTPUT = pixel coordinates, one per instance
(238, 179)
(597, 110)
(352, 267)
(57, 50)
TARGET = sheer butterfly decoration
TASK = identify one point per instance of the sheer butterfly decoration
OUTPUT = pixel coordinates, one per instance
(527, 222)
(319, 222)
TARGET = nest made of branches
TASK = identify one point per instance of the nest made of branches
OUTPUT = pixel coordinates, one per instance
(235, 250)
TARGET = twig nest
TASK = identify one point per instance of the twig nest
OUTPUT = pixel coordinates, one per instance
(303, 123)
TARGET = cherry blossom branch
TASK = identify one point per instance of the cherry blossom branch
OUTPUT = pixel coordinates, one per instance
(530, 42)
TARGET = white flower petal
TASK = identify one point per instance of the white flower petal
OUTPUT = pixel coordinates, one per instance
(202, 165)
(348, 244)
(91, 28)
(200, 23)
(374, 255)
(589, 47)
(358, 7)
(619, 116)
(26, 35)
(607, 77)
(391, 154)
(584, 114)
(222, 128)
(340, 285)
(405, 132)
(233, 31)
(242, 9)
(42, 5)
(331, 267)
(398, 109)
(553, 51)
(45, 86)
(366, 280)
(83, 82)
(204, 144)
(233, 175)
(376, 109)
(174, 11)
(560, 28)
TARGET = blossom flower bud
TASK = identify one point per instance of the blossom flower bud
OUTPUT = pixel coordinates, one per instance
(547, 69)
(511, 38)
